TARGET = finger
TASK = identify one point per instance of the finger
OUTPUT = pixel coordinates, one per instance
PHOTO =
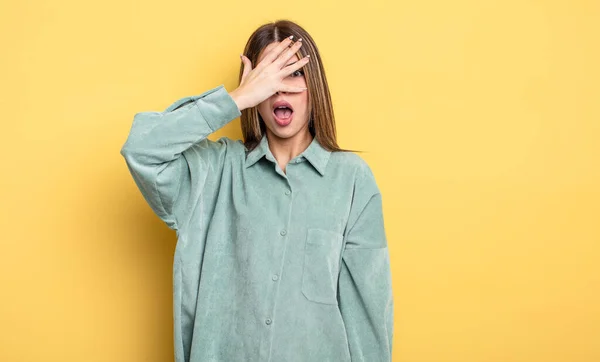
(288, 53)
(290, 89)
(287, 70)
(247, 66)
(275, 52)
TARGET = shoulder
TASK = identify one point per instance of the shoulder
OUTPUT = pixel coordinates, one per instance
(233, 143)
(221, 143)
(362, 173)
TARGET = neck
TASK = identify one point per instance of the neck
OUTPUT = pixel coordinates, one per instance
(285, 149)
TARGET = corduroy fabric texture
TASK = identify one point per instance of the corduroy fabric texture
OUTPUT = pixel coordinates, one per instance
(269, 266)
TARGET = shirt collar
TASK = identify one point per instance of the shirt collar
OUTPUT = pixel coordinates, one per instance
(314, 153)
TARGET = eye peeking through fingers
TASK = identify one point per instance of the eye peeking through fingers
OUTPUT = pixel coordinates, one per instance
(297, 73)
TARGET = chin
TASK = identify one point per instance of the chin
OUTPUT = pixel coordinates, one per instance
(285, 132)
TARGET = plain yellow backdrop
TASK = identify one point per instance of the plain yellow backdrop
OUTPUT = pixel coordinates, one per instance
(480, 120)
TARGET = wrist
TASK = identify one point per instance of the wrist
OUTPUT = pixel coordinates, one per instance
(238, 99)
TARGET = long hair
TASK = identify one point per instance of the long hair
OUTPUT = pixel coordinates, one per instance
(319, 100)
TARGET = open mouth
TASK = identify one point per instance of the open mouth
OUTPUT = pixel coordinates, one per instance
(283, 112)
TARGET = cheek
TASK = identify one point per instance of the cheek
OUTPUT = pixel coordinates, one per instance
(304, 101)
(263, 109)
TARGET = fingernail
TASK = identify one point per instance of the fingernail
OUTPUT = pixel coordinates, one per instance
(291, 37)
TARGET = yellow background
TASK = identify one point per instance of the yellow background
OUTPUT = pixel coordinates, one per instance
(480, 120)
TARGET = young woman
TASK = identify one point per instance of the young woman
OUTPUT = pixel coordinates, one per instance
(281, 250)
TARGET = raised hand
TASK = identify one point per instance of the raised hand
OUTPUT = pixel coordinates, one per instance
(266, 78)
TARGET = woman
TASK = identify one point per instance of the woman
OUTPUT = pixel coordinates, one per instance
(281, 251)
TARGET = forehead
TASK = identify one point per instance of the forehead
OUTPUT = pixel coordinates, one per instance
(270, 47)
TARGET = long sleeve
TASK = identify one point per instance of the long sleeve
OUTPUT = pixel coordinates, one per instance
(365, 284)
(168, 153)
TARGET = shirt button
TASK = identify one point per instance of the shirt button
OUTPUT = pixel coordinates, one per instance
(268, 321)
(275, 277)
(283, 232)
(287, 192)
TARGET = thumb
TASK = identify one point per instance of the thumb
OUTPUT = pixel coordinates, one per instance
(247, 66)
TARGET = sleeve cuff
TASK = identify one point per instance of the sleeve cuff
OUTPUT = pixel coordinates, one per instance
(215, 105)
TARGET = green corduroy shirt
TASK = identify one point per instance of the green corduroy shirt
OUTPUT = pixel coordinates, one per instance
(269, 266)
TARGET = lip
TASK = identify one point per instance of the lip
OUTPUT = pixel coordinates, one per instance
(281, 103)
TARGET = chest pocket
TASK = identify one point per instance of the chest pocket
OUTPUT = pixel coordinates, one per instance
(322, 250)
